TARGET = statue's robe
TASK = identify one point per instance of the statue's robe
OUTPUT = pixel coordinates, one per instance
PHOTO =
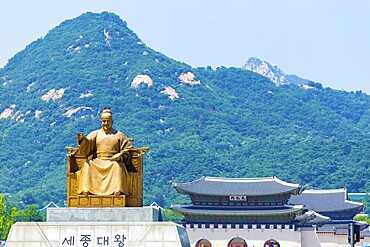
(100, 176)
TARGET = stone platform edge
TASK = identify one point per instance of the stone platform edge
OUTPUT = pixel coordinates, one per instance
(125, 214)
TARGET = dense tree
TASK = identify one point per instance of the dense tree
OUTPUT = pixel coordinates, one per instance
(10, 215)
(233, 123)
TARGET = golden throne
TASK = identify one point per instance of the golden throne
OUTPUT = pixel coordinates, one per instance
(134, 182)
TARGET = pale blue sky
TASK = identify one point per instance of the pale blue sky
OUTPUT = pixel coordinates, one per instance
(325, 41)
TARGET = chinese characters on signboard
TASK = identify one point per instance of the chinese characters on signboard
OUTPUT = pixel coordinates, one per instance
(238, 198)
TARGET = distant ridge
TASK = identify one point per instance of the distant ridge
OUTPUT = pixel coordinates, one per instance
(274, 73)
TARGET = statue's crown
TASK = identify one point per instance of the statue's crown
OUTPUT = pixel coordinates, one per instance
(106, 112)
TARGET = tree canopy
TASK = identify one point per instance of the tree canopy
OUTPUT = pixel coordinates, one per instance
(225, 122)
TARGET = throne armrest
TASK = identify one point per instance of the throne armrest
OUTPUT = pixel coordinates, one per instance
(74, 160)
(134, 162)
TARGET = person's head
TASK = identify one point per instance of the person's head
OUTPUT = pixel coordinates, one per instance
(106, 120)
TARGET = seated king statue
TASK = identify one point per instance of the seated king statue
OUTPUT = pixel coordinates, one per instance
(105, 172)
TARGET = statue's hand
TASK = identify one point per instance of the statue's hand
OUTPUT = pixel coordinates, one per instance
(118, 156)
(115, 157)
(80, 136)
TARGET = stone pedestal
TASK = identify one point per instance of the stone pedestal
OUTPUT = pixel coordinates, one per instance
(97, 201)
(93, 227)
(136, 214)
(92, 234)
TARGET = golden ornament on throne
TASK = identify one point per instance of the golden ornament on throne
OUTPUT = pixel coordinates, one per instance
(105, 170)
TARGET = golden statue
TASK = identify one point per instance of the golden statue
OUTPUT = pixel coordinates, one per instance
(105, 170)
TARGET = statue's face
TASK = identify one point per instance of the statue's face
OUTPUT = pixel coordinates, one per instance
(106, 123)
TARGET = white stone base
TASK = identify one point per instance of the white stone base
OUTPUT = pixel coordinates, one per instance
(125, 214)
(93, 234)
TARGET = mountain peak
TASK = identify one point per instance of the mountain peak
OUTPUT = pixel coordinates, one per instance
(88, 33)
(274, 73)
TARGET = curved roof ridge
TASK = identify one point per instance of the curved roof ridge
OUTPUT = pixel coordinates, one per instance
(353, 202)
(191, 182)
(260, 179)
(221, 186)
(284, 182)
(220, 179)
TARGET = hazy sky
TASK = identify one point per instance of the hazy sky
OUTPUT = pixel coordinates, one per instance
(325, 41)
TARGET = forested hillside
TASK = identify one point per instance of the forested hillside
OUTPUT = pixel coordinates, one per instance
(197, 121)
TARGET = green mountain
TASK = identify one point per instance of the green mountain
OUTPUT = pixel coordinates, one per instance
(197, 121)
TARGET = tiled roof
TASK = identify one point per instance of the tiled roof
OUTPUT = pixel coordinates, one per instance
(325, 200)
(227, 211)
(340, 227)
(312, 218)
(237, 186)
